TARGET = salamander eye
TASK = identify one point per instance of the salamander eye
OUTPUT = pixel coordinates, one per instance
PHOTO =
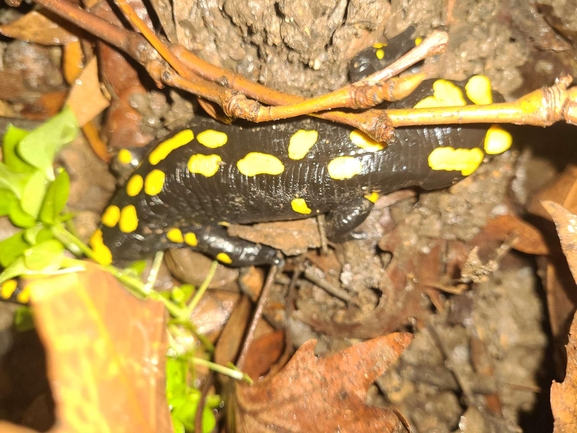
(364, 64)
(381, 54)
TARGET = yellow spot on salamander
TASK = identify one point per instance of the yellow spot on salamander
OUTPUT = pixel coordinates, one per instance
(497, 140)
(378, 45)
(344, 167)
(24, 296)
(450, 159)
(212, 139)
(163, 149)
(445, 94)
(154, 182)
(299, 205)
(175, 235)
(124, 156)
(207, 165)
(260, 163)
(365, 142)
(101, 252)
(224, 258)
(134, 185)
(372, 197)
(380, 53)
(8, 288)
(418, 41)
(190, 239)
(478, 90)
(301, 142)
(128, 219)
(111, 216)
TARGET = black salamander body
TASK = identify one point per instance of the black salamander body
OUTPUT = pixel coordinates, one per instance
(198, 180)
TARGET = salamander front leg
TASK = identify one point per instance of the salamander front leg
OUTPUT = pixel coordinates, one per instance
(215, 242)
(342, 221)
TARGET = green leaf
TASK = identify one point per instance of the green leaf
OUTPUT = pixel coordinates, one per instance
(11, 248)
(7, 198)
(13, 180)
(33, 194)
(55, 199)
(12, 137)
(184, 409)
(15, 269)
(175, 378)
(40, 146)
(20, 218)
(177, 425)
(38, 234)
(45, 257)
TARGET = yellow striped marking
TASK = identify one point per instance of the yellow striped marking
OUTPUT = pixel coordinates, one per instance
(8, 288)
(378, 45)
(190, 239)
(299, 205)
(478, 90)
(224, 258)
(497, 140)
(175, 235)
(445, 94)
(154, 182)
(124, 156)
(207, 165)
(128, 219)
(344, 167)
(301, 142)
(260, 163)
(102, 253)
(212, 139)
(372, 197)
(365, 142)
(111, 216)
(450, 159)
(134, 185)
(380, 53)
(161, 151)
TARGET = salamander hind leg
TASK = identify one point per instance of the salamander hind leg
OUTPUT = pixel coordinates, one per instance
(216, 243)
(341, 221)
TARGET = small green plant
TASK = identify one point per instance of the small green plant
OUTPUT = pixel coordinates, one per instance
(33, 195)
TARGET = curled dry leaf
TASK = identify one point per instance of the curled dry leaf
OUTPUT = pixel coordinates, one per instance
(323, 394)
(39, 27)
(564, 395)
(105, 345)
(566, 224)
(85, 97)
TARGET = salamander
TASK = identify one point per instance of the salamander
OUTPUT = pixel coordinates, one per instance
(198, 180)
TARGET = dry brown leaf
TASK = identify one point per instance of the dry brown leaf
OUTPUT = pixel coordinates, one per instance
(105, 353)
(558, 281)
(85, 97)
(39, 27)
(564, 395)
(264, 352)
(291, 237)
(313, 394)
(566, 224)
(526, 237)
